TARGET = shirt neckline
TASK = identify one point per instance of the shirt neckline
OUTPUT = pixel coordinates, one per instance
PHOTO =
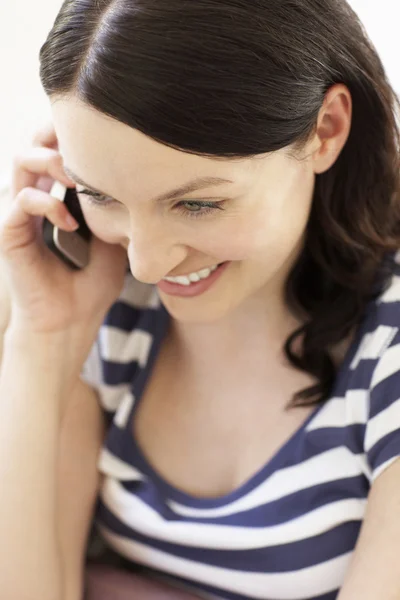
(131, 448)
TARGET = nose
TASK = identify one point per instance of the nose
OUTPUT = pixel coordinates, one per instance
(152, 255)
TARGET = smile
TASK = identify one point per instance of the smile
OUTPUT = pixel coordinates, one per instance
(193, 284)
(192, 277)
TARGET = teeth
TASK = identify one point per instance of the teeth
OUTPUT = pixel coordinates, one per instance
(192, 277)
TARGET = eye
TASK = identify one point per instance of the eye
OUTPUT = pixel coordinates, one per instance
(96, 199)
(196, 208)
(189, 208)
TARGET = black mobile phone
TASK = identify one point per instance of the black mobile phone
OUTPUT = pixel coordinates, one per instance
(72, 247)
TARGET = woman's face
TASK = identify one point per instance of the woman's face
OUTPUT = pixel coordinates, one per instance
(254, 221)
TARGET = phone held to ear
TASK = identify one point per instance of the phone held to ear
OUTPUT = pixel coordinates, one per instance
(72, 247)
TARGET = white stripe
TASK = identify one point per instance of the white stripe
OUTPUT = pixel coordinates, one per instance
(138, 294)
(91, 370)
(114, 466)
(387, 366)
(373, 344)
(332, 414)
(383, 467)
(392, 294)
(342, 412)
(338, 463)
(110, 396)
(137, 515)
(294, 585)
(357, 407)
(123, 347)
(122, 414)
(385, 422)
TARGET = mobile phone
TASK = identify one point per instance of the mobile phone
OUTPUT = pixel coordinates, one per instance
(72, 247)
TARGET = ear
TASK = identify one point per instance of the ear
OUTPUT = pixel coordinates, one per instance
(333, 128)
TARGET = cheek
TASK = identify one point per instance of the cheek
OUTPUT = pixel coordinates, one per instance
(267, 232)
(282, 219)
(103, 225)
(237, 239)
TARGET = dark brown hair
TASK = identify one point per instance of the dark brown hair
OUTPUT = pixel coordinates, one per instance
(237, 78)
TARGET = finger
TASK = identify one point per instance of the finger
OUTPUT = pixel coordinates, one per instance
(18, 228)
(44, 183)
(36, 162)
(46, 136)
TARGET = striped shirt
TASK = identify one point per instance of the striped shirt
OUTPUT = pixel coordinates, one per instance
(289, 532)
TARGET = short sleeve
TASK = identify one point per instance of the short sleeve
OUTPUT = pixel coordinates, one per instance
(91, 370)
(94, 373)
(382, 432)
(121, 347)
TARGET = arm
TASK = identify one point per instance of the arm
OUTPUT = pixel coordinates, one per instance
(81, 438)
(30, 411)
(51, 438)
(374, 573)
(5, 308)
(56, 313)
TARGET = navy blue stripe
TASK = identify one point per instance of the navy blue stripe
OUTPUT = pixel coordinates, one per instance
(273, 513)
(119, 373)
(360, 378)
(122, 316)
(386, 448)
(385, 393)
(155, 320)
(389, 314)
(109, 417)
(328, 438)
(302, 446)
(276, 559)
(126, 317)
(298, 448)
(115, 373)
(329, 596)
(295, 505)
(219, 592)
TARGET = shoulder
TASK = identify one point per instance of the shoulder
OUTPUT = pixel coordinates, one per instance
(364, 410)
(381, 327)
(377, 364)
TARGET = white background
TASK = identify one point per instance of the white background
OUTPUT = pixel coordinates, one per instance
(24, 25)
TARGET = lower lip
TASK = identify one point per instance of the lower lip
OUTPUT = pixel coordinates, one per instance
(194, 289)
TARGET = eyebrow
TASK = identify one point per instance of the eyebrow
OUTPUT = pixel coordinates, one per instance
(186, 188)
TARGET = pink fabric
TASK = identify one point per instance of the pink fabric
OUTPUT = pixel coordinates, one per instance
(110, 583)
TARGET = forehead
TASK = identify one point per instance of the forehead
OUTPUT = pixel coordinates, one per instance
(112, 156)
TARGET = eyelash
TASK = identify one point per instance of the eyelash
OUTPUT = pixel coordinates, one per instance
(104, 202)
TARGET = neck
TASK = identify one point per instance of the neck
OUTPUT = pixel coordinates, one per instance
(262, 323)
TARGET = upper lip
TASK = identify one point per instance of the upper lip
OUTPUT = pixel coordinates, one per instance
(194, 271)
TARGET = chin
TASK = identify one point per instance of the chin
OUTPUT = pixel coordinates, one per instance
(196, 311)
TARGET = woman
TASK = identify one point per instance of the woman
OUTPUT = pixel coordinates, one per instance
(244, 157)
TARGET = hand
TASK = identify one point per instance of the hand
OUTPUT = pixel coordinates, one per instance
(46, 295)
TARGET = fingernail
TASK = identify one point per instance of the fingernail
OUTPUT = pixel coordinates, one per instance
(67, 177)
(71, 222)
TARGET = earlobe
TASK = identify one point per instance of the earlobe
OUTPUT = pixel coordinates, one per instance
(333, 127)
